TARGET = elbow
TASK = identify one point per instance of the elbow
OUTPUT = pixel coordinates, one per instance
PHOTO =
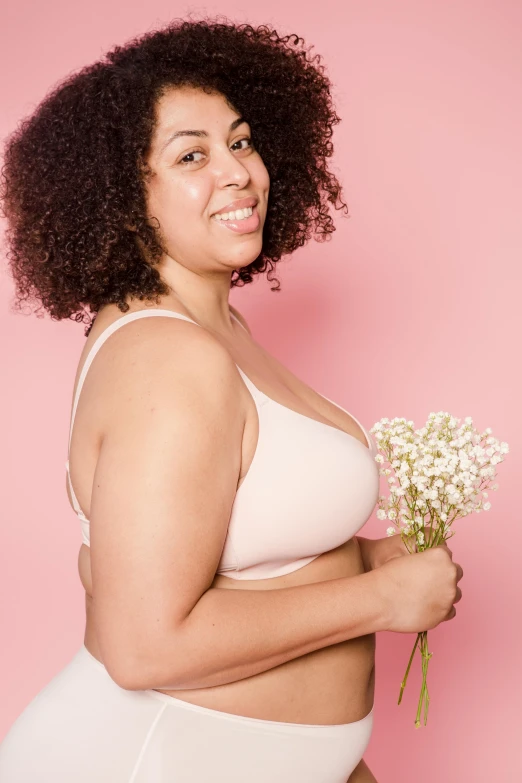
(128, 680)
(142, 656)
(153, 669)
(132, 675)
(125, 670)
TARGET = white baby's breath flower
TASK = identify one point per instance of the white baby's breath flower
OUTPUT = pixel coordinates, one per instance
(438, 472)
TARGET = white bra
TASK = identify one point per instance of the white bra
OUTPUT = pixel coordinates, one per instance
(310, 486)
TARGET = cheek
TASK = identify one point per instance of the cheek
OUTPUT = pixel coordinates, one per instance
(193, 194)
(179, 198)
(259, 174)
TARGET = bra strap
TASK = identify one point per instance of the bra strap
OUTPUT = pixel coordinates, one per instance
(92, 353)
(103, 337)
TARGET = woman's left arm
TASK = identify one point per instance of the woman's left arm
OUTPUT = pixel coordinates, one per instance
(364, 548)
(376, 551)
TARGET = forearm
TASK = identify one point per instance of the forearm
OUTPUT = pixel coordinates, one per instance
(233, 634)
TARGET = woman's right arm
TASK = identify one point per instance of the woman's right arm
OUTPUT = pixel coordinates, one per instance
(233, 634)
(162, 496)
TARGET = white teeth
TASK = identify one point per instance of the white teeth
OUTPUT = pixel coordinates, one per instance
(238, 214)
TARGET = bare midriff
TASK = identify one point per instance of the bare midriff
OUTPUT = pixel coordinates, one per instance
(332, 685)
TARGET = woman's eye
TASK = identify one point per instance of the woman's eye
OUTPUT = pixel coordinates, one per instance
(186, 162)
(247, 138)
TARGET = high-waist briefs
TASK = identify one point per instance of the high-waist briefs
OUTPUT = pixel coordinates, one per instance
(82, 727)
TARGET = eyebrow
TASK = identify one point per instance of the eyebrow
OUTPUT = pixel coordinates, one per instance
(199, 133)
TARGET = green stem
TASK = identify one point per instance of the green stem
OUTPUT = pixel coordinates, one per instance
(424, 695)
(403, 684)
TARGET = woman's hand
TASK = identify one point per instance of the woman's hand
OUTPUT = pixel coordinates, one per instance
(376, 551)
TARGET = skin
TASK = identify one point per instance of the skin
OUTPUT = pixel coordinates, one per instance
(362, 774)
(192, 178)
(184, 195)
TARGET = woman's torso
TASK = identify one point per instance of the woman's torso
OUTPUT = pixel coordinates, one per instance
(331, 685)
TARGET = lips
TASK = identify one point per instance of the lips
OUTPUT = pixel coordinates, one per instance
(241, 203)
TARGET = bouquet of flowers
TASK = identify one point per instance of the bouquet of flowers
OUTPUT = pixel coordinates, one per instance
(440, 472)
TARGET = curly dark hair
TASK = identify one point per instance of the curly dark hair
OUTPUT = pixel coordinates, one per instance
(72, 183)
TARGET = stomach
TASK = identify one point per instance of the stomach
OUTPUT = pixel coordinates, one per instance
(332, 685)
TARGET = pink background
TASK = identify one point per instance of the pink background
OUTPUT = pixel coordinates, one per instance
(413, 307)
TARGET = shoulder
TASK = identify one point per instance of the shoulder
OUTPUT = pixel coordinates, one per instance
(152, 354)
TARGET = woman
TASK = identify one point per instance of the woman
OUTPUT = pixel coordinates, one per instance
(230, 605)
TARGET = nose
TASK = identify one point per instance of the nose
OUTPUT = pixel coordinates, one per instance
(232, 171)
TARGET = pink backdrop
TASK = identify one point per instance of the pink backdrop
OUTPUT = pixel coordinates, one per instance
(414, 306)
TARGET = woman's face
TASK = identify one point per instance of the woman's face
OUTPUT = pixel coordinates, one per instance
(197, 175)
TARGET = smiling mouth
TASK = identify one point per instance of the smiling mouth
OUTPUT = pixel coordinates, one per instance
(241, 225)
(246, 212)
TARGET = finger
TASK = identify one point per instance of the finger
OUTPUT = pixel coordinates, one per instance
(458, 595)
(460, 572)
